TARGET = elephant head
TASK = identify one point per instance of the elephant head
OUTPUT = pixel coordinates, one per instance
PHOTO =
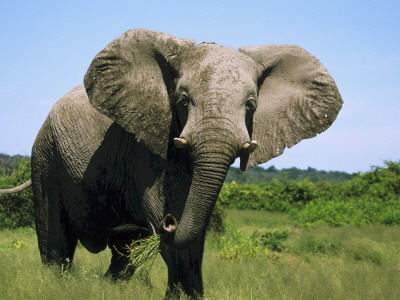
(223, 102)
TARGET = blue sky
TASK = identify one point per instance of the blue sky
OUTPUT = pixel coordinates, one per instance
(47, 46)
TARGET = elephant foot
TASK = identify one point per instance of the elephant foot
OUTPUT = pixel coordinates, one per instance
(173, 293)
(63, 264)
(184, 271)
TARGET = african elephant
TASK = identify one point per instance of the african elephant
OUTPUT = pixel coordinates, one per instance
(148, 139)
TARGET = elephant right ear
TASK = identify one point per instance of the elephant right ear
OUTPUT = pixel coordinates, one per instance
(127, 82)
(297, 100)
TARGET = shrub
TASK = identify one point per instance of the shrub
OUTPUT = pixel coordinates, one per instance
(274, 240)
(217, 219)
(237, 246)
(276, 196)
(368, 198)
(16, 210)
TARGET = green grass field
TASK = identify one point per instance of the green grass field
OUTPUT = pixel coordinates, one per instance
(252, 261)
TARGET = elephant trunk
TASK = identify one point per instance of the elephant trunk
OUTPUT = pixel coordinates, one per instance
(211, 164)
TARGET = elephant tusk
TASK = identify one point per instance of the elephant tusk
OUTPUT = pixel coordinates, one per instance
(169, 223)
(250, 147)
(180, 143)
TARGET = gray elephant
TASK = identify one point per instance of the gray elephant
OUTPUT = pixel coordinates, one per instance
(148, 139)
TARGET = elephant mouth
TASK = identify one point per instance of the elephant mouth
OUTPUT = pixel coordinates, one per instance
(169, 224)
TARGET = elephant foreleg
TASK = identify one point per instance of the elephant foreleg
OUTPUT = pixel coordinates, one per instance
(120, 269)
(184, 270)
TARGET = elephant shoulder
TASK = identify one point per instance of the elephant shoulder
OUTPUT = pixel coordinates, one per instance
(77, 128)
(75, 106)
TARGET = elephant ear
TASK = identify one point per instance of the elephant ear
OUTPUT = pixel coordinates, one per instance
(297, 100)
(128, 82)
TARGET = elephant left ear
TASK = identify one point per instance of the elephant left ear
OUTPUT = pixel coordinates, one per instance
(129, 82)
(297, 100)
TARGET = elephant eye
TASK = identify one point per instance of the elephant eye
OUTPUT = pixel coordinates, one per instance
(251, 104)
(183, 99)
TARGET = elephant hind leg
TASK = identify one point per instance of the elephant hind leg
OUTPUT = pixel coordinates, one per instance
(57, 238)
(59, 250)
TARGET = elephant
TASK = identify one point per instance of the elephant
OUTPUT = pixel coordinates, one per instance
(148, 137)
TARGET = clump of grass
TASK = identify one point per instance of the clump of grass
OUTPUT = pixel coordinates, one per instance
(142, 254)
(237, 246)
(274, 240)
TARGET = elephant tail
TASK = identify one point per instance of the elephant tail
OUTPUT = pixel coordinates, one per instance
(17, 188)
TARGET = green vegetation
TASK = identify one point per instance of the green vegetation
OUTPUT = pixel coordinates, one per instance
(9, 165)
(142, 254)
(368, 198)
(318, 262)
(274, 239)
(259, 174)
(16, 210)
(281, 239)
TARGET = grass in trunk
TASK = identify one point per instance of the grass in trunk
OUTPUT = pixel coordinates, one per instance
(142, 254)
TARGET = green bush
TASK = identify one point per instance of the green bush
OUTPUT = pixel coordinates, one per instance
(276, 196)
(274, 240)
(217, 219)
(237, 246)
(16, 210)
(353, 211)
(368, 198)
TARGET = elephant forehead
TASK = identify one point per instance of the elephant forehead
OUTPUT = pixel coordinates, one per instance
(217, 66)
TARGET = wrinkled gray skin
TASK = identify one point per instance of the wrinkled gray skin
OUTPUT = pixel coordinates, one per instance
(105, 158)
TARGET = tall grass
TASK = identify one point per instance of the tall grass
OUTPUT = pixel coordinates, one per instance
(315, 263)
(23, 276)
